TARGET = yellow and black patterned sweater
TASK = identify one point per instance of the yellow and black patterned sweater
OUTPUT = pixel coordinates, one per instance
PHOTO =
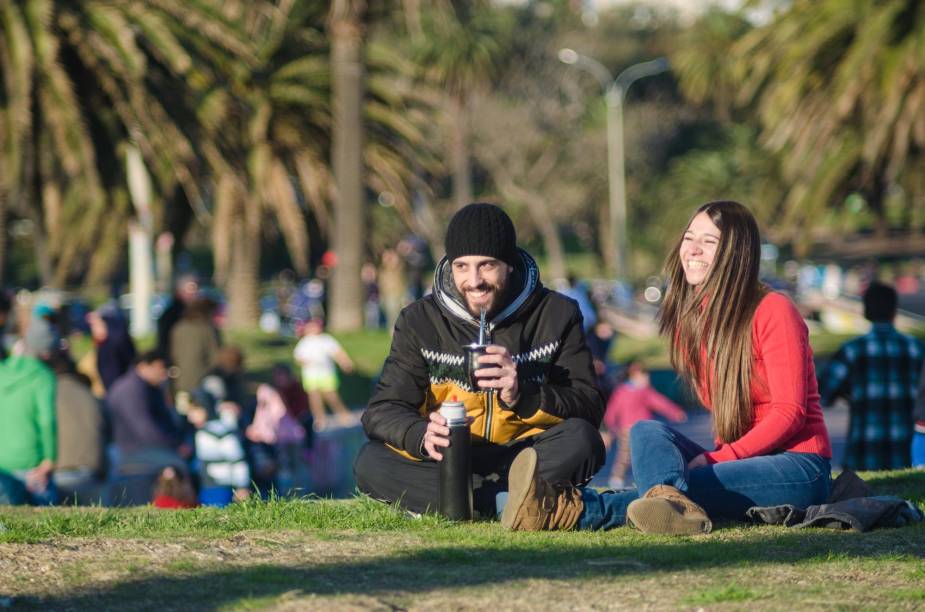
(542, 330)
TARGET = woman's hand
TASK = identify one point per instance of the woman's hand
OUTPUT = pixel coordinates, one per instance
(698, 462)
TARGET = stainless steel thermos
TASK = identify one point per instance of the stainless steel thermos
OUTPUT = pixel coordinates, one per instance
(455, 480)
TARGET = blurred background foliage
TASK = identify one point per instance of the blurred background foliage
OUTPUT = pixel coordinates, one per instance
(813, 114)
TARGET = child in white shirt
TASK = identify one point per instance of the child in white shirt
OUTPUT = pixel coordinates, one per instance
(318, 354)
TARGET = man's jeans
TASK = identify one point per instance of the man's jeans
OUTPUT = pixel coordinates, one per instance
(44, 497)
(77, 486)
(724, 490)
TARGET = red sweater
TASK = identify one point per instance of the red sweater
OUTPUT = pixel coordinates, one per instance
(785, 393)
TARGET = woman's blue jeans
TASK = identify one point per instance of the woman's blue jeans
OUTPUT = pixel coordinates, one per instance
(724, 490)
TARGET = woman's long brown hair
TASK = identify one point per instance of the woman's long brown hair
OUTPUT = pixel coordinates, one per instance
(709, 327)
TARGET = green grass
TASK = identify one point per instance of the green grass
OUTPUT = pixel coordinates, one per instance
(732, 592)
(360, 554)
(30, 525)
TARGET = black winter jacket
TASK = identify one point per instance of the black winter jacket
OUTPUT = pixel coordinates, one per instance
(541, 328)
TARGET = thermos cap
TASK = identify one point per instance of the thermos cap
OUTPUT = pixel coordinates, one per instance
(453, 412)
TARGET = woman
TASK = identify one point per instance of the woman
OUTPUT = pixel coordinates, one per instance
(745, 352)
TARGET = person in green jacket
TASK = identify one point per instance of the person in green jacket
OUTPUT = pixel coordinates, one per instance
(28, 437)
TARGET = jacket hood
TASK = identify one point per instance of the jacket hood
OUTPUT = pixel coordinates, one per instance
(21, 371)
(525, 280)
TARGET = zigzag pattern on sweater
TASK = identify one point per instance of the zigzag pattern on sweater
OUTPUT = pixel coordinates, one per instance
(534, 365)
(442, 358)
(459, 383)
(542, 353)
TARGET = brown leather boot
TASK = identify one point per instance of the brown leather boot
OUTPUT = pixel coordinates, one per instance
(664, 509)
(536, 505)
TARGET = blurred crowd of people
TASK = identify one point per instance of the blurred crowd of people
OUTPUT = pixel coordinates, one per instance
(177, 425)
(400, 275)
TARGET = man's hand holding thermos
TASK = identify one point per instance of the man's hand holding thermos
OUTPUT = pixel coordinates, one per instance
(455, 457)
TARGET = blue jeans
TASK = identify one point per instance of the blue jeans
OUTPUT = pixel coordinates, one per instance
(45, 497)
(918, 450)
(724, 490)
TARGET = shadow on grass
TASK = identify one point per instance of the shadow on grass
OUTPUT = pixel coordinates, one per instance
(514, 557)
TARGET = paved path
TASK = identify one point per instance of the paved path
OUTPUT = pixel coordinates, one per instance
(697, 428)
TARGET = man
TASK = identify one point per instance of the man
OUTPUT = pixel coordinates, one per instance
(143, 427)
(878, 373)
(27, 412)
(535, 389)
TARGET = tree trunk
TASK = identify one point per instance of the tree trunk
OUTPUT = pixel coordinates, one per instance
(552, 242)
(42, 256)
(244, 268)
(549, 230)
(459, 153)
(350, 232)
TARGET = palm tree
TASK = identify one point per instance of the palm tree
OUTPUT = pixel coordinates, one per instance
(347, 29)
(701, 60)
(840, 91)
(460, 54)
(273, 128)
(79, 81)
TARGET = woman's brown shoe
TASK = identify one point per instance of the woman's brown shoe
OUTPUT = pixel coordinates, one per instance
(664, 509)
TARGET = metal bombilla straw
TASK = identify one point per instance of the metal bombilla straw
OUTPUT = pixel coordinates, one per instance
(482, 327)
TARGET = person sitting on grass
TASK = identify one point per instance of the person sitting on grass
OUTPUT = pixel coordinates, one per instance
(221, 463)
(317, 353)
(633, 401)
(744, 350)
(145, 431)
(535, 387)
(276, 437)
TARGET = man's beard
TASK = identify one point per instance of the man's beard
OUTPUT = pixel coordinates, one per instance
(496, 298)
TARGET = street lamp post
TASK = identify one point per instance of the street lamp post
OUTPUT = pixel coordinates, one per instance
(614, 93)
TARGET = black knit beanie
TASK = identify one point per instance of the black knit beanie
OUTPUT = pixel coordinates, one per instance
(481, 229)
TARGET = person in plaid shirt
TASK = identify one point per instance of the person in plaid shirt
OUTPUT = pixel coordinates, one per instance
(878, 373)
